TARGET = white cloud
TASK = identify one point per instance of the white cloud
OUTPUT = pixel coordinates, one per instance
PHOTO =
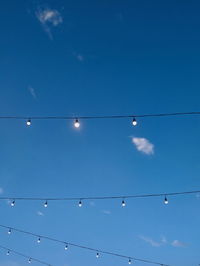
(106, 212)
(1, 190)
(32, 92)
(178, 244)
(143, 145)
(151, 241)
(40, 213)
(49, 18)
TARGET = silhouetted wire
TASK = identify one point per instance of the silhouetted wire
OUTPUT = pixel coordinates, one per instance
(101, 117)
(81, 246)
(101, 197)
(25, 256)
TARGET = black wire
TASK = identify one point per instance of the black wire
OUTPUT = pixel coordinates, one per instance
(102, 117)
(103, 197)
(25, 256)
(81, 246)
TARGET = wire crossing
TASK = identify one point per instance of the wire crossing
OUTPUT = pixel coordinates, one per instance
(29, 259)
(68, 244)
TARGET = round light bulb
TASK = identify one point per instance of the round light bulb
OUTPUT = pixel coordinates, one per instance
(134, 122)
(129, 262)
(13, 203)
(28, 122)
(9, 231)
(29, 261)
(97, 255)
(123, 203)
(166, 201)
(66, 247)
(77, 123)
(8, 253)
(46, 204)
(39, 240)
(80, 203)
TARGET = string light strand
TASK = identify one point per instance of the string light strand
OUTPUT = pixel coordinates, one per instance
(29, 118)
(67, 244)
(29, 258)
(81, 199)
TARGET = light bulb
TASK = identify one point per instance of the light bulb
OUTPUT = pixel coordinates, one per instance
(28, 122)
(97, 255)
(166, 200)
(129, 261)
(77, 123)
(66, 247)
(46, 204)
(39, 240)
(134, 122)
(9, 231)
(13, 203)
(29, 261)
(8, 253)
(123, 203)
(80, 203)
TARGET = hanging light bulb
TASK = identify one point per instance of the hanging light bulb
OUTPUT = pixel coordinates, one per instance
(28, 122)
(9, 231)
(12, 203)
(39, 240)
(134, 122)
(123, 203)
(77, 123)
(29, 261)
(80, 203)
(97, 255)
(129, 261)
(46, 204)
(66, 247)
(166, 200)
(8, 253)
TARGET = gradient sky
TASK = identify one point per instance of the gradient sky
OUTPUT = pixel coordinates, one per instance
(100, 58)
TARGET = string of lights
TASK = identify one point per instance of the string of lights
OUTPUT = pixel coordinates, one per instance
(29, 259)
(81, 199)
(67, 244)
(77, 119)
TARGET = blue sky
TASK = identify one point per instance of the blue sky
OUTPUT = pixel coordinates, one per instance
(98, 58)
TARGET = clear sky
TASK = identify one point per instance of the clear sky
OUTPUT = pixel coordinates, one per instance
(100, 58)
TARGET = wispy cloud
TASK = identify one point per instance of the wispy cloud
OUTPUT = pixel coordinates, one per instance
(143, 145)
(1, 190)
(49, 18)
(40, 213)
(178, 244)
(106, 212)
(163, 241)
(32, 92)
(151, 241)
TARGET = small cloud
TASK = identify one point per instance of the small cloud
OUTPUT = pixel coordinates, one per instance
(49, 18)
(79, 57)
(163, 240)
(143, 145)
(40, 213)
(1, 190)
(32, 92)
(178, 244)
(106, 212)
(151, 241)
(92, 203)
